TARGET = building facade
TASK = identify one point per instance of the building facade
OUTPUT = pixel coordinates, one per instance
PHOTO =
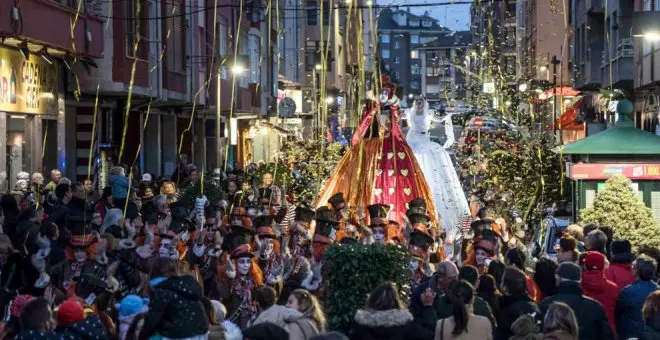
(647, 74)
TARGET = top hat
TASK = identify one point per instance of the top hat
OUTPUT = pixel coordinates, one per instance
(81, 236)
(419, 222)
(264, 226)
(416, 206)
(239, 244)
(337, 201)
(304, 215)
(487, 241)
(419, 243)
(378, 214)
(326, 231)
(325, 214)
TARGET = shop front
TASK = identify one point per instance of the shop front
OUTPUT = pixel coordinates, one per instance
(29, 112)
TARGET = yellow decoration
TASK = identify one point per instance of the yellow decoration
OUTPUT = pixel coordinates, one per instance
(407, 191)
(390, 155)
(404, 172)
(391, 190)
(379, 172)
(378, 191)
(390, 172)
(401, 155)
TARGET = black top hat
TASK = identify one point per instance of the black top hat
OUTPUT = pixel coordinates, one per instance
(337, 201)
(419, 219)
(211, 211)
(131, 210)
(487, 241)
(378, 214)
(81, 236)
(265, 194)
(325, 214)
(178, 210)
(264, 226)
(180, 225)
(326, 231)
(419, 243)
(417, 203)
(304, 214)
(477, 227)
(239, 244)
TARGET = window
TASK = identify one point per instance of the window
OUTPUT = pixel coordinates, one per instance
(414, 85)
(427, 23)
(136, 28)
(397, 60)
(647, 46)
(244, 56)
(176, 41)
(222, 39)
(446, 70)
(396, 74)
(414, 69)
(385, 38)
(414, 54)
(511, 36)
(424, 40)
(385, 54)
(432, 71)
(396, 42)
(387, 67)
(312, 55)
(414, 39)
(312, 13)
(413, 23)
(254, 55)
(510, 65)
(326, 13)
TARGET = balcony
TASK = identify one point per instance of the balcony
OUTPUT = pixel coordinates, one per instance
(40, 17)
(621, 69)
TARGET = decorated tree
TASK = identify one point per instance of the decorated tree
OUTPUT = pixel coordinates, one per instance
(353, 271)
(618, 207)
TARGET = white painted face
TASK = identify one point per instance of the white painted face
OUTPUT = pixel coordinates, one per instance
(243, 265)
(419, 104)
(481, 256)
(165, 247)
(413, 264)
(384, 96)
(269, 246)
(379, 235)
(80, 255)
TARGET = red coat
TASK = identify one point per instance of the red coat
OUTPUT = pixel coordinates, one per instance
(533, 289)
(620, 274)
(597, 287)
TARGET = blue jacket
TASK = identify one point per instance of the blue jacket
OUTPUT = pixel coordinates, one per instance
(628, 309)
(119, 186)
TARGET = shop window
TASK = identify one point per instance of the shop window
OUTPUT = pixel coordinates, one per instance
(137, 44)
(176, 40)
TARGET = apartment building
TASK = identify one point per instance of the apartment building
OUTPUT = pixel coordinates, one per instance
(646, 73)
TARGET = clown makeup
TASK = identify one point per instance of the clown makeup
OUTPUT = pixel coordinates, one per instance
(243, 265)
(165, 247)
(419, 104)
(269, 246)
(481, 256)
(379, 234)
(97, 219)
(80, 255)
(413, 264)
(384, 96)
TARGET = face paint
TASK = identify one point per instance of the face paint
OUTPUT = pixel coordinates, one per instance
(80, 255)
(243, 265)
(164, 250)
(481, 256)
(379, 235)
(413, 265)
(269, 246)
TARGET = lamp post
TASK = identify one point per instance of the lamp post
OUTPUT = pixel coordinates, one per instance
(554, 62)
(315, 100)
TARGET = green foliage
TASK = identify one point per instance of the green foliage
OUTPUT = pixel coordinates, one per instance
(526, 172)
(354, 271)
(618, 207)
(213, 192)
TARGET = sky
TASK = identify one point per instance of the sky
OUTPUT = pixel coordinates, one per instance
(453, 16)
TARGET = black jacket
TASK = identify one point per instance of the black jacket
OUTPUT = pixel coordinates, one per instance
(393, 324)
(176, 310)
(511, 308)
(78, 209)
(89, 329)
(591, 318)
(651, 329)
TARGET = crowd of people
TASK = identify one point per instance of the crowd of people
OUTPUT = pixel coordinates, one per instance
(134, 262)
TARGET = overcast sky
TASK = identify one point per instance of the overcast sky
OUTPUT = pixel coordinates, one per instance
(454, 16)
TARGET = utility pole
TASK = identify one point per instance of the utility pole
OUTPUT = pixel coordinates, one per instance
(555, 62)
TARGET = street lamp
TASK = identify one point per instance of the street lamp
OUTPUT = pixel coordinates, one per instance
(544, 68)
(411, 96)
(329, 100)
(318, 67)
(238, 69)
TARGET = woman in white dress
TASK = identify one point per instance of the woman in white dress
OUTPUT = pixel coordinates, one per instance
(435, 162)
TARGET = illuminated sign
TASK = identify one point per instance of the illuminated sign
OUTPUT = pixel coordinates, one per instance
(27, 86)
(595, 171)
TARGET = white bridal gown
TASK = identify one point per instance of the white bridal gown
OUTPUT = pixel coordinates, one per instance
(438, 169)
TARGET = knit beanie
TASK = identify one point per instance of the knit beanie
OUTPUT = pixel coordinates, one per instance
(131, 305)
(70, 311)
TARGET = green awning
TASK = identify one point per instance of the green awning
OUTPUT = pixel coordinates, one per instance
(615, 141)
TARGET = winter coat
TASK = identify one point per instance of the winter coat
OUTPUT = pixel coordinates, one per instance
(176, 310)
(78, 209)
(620, 274)
(302, 328)
(591, 318)
(651, 329)
(393, 324)
(89, 329)
(628, 309)
(216, 332)
(533, 289)
(276, 314)
(478, 328)
(119, 186)
(232, 332)
(60, 216)
(510, 309)
(558, 335)
(597, 287)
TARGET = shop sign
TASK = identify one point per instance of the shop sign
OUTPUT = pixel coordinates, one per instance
(634, 171)
(27, 86)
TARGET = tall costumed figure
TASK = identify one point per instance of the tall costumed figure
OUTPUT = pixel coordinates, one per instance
(380, 167)
(435, 162)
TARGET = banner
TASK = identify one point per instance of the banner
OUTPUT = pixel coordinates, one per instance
(600, 171)
(27, 85)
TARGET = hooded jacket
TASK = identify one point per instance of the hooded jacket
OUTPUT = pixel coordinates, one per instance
(597, 287)
(175, 310)
(620, 274)
(591, 318)
(393, 324)
(628, 309)
(119, 186)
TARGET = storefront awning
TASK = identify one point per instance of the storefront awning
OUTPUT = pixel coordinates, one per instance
(603, 171)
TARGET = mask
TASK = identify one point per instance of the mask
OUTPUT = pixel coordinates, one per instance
(413, 265)
(80, 255)
(165, 246)
(243, 265)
